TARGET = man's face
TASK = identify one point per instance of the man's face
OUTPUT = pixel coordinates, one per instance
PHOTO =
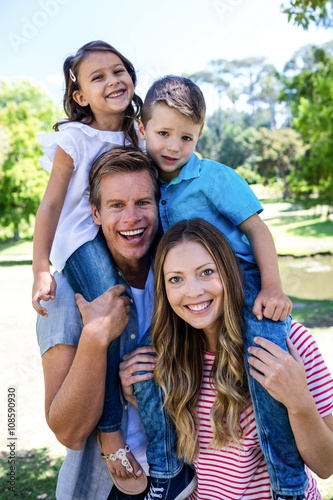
(128, 215)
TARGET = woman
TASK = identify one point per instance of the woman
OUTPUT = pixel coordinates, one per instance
(197, 334)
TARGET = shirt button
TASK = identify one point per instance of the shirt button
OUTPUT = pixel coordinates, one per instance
(125, 407)
(163, 202)
(133, 336)
(131, 301)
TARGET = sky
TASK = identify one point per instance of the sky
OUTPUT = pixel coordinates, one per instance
(158, 36)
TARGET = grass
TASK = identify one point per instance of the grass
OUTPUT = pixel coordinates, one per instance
(36, 475)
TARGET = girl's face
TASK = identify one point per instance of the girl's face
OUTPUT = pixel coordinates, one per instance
(193, 286)
(106, 86)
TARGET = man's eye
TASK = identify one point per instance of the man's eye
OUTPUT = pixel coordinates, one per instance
(187, 138)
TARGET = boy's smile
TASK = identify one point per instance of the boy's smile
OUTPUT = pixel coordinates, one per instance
(171, 139)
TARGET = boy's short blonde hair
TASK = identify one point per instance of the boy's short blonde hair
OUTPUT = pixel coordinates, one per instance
(179, 93)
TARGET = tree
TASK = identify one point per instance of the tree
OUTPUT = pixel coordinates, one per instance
(228, 147)
(311, 96)
(303, 12)
(25, 110)
(275, 154)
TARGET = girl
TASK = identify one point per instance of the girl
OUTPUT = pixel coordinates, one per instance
(101, 106)
(198, 340)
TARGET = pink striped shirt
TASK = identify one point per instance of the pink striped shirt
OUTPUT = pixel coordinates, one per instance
(239, 472)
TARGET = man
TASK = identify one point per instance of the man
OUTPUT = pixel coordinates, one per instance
(74, 361)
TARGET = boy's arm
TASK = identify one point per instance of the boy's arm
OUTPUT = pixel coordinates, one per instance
(47, 218)
(271, 302)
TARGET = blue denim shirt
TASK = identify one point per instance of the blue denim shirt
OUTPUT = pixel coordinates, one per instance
(83, 475)
(214, 192)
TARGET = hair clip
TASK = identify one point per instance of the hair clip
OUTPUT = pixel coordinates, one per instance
(72, 76)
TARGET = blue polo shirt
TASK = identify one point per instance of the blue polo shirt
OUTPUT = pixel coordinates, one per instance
(214, 192)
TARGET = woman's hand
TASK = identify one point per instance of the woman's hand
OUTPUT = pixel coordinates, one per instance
(280, 373)
(140, 360)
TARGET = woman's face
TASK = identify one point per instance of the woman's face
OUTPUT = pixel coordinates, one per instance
(193, 286)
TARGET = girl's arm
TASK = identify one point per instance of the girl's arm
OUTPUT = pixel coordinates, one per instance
(271, 302)
(47, 218)
(284, 377)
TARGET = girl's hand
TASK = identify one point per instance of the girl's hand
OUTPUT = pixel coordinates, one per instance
(280, 373)
(139, 360)
(44, 288)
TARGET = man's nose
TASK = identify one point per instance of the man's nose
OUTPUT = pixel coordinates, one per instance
(132, 214)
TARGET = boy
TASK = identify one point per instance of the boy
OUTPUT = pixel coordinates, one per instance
(172, 120)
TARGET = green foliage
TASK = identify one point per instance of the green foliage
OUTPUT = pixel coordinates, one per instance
(35, 475)
(25, 110)
(225, 137)
(304, 12)
(249, 175)
(310, 93)
(275, 154)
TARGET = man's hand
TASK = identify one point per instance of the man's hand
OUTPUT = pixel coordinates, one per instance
(44, 288)
(272, 304)
(107, 316)
(139, 360)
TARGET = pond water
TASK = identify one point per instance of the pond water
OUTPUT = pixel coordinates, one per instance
(307, 277)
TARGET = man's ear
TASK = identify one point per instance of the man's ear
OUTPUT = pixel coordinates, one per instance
(96, 215)
(79, 98)
(141, 130)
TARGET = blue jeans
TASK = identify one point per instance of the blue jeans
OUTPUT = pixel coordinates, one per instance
(90, 271)
(284, 463)
(161, 433)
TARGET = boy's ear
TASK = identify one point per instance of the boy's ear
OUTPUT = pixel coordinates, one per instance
(96, 215)
(79, 98)
(141, 130)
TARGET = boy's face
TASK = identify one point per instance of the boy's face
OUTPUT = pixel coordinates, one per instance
(170, 140)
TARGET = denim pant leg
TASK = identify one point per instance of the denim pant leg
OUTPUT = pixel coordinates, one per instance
(90, 271)
(161, 433)
(284, 463)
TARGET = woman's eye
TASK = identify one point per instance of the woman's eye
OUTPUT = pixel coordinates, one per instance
(175, 279)
(207, 272)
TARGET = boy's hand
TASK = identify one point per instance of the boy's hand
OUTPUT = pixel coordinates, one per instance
(44, 288)
(272, 304)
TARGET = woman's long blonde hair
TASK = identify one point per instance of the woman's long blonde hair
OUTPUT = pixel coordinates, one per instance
(180, 348)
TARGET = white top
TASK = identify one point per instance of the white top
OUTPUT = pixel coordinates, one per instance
(239, 471)
(84, 144)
